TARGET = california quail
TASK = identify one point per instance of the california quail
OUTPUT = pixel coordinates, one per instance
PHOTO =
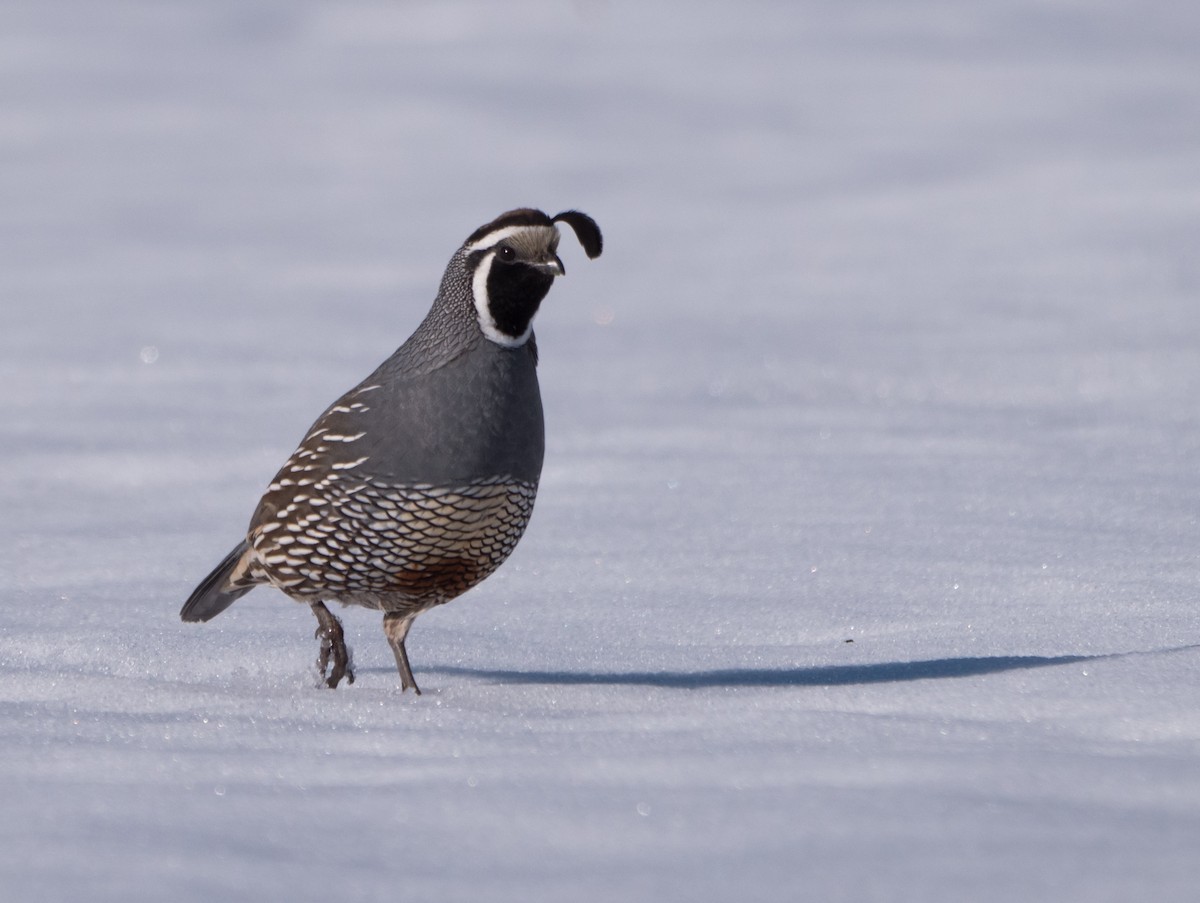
(416, 484)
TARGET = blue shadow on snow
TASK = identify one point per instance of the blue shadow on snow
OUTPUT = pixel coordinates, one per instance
(825, 676)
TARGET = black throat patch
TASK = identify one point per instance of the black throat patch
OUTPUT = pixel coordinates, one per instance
(515, 291)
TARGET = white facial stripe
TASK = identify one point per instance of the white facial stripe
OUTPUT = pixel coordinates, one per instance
(479, 293)
(494, 238)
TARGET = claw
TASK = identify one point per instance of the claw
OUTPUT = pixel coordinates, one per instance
(333, 646)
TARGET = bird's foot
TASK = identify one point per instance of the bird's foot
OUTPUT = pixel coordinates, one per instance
(395, 627)
(333, 649)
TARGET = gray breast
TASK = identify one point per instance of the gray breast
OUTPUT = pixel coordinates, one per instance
(477, 416)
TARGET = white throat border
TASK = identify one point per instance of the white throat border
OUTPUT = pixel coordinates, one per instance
(479, 294)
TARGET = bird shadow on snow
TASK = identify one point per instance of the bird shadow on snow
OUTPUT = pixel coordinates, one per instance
(823, 676)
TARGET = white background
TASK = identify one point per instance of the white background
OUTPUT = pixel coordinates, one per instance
(895, 340)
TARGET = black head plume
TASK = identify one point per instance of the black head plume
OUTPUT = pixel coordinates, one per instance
(585, 229)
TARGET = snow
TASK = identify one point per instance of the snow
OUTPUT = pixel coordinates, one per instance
(894, 341)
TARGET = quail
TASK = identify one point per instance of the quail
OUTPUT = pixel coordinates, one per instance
(417, 483)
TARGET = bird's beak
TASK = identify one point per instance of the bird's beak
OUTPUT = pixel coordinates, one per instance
(552, 265)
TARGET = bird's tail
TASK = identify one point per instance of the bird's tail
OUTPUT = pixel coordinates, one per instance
(215, 593)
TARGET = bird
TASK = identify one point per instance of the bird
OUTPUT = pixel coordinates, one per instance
(416, 484)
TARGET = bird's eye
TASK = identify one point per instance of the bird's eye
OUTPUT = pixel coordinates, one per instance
(507, 254)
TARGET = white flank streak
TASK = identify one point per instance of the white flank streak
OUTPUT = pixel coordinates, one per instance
(346, 465)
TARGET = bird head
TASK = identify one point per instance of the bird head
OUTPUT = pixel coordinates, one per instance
(513, 261)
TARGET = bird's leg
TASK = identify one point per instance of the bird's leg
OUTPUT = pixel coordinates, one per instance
(395, 627)
(333, 644)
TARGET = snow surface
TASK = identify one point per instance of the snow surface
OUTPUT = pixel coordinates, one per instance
(895, 340)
